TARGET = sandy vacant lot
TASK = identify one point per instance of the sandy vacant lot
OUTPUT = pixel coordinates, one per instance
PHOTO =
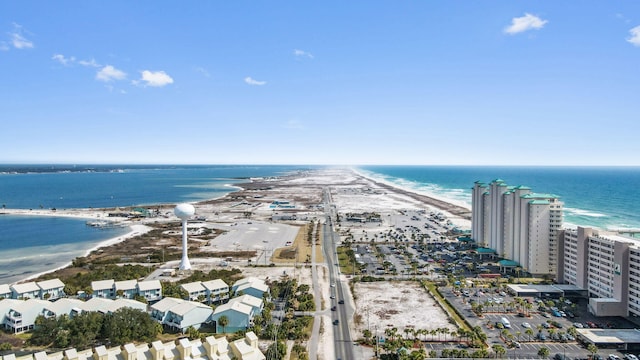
(397, 304)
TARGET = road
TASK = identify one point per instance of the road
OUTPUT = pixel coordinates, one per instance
(341, 332)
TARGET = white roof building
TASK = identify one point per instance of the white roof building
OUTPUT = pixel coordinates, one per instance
(209, 349)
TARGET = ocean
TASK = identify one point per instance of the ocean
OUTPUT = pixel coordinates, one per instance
(602, 197)
(30, 245)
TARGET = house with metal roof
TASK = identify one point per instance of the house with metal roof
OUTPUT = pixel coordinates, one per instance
(250, 285)
(209, 348)
(150, 290)
(64, 306)
(5, 291)
(103, 289)
(51, 289)
(255, 303)
(187, 314)
(195, 290)
(217, 290)
(21, 316)
(239, 316)
(159, 310)
(28, 290)
(247, 348)
(126, 289)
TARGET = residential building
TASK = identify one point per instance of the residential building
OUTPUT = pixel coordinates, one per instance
(51, 289)
(21, 316)
(150, 290)
(216, 290)
(605, 264)
(239, 316)
(180, 314)
(126, 289)
(103, 289)
(186, 315)
(5, 291)
(517, 224)
(195, 290)
(251, 286)
(60, 307)
(255, 303)
(209, 348)
(28, 290)
(247, 348)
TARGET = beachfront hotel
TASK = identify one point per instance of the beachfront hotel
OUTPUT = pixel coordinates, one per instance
(605, 264)
(518, 224)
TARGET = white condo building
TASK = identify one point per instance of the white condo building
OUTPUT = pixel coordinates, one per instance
(607, 265)
(518, 224)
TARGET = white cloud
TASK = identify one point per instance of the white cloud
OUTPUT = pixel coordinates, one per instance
(635, 36)
(302, 54)
(89, 63)
(203, 71)
(63, 60)
(109, 73)
(155, 78)
(525, 23)
(18, 40)
(251, 81)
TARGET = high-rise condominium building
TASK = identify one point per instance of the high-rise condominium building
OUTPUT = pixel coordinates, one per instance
(518, 224)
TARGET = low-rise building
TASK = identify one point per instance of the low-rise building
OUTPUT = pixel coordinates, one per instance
(251, 286)
(51, 289)
(150, 290)
(217, 290)
(28, 290)
(195, 290)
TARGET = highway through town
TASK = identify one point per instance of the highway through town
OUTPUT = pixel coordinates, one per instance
(339, 317)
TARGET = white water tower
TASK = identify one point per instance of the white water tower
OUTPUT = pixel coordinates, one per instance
(184, 212)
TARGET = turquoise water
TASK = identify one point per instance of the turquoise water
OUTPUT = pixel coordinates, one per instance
(602, 197)
(30, 245)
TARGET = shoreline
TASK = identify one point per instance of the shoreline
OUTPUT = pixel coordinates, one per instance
(139, 229)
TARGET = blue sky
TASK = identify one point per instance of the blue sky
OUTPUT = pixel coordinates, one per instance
(287, 82)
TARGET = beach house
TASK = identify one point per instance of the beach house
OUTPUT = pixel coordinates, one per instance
(237, 314)
(21, 316)
(103, 289)
(188, 314)
(60, 307)
(51, 289)
(217, 290)
(251, 286)
(126, 289)
(255, 303)
(195, 291)
(150, 290)
(180, 314)
(5, 291)
(159, 309)
(209, 348)
(29, 290)
(247, 347)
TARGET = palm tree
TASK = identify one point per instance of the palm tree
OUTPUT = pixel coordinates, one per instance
(518, 333)
(499, 349)
(529, 332)
(543, 352)
(223, 321)
(593, 349)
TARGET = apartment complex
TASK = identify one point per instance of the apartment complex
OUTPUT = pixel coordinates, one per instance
(607, 265)
(517, 224)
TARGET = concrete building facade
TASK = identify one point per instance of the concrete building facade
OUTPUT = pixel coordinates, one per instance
(517, 224)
